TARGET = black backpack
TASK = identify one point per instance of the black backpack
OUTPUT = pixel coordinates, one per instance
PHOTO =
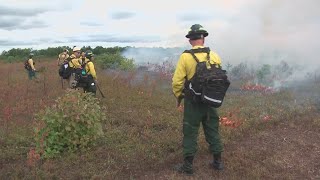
(27, 65)
(209, 83)
(65, 70)
(81, 76)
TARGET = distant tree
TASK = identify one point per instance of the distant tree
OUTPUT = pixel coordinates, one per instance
(283, 70)
(240, 71)
(228, 66)
(263, 73)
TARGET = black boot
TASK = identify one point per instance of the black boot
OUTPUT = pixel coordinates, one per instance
(186, 167)
(217, 162)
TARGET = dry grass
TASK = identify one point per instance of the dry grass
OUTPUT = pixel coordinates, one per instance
(143, 132)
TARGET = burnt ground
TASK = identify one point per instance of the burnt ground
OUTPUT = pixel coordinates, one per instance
(289, 150)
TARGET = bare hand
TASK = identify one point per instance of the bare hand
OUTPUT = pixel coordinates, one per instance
(178, 103)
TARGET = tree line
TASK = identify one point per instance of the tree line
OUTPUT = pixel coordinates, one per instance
(20, 54)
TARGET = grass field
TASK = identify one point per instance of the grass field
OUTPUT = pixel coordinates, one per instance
(272, 135)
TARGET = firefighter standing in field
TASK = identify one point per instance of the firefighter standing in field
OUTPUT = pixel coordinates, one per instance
(31, 69)
(74, 64)
(63, 57)
(62, 60)
(91, 73)
(196, 113)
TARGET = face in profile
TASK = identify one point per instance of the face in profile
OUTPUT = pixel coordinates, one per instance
(77, 54)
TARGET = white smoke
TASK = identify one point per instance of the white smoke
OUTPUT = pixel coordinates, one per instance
(152, 55)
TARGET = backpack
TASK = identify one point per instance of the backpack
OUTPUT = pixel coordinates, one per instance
(65, 70)
(27, 65)
(81, 76)
(209, 83)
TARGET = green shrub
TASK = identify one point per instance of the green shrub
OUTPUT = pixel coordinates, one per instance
(11, 59)
(127, 64)
(72, 123)
(115, 61)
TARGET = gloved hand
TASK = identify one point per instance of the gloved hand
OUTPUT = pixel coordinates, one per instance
(179, 99)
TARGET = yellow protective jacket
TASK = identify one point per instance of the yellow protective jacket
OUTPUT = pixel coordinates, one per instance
(75, 62)
(186, 68)
(30, 61)
(62, 57)
(86, 60)
(91, 70)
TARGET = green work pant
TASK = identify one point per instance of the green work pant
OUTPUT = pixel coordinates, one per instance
(194, 114)
(31, 74)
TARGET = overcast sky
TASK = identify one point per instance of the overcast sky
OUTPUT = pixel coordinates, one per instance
(238, 29)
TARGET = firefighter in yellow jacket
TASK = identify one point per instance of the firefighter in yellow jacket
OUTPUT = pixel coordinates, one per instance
(31, 69)
(90, 72)
(83, 56)
(75, 64)
(196, 113)
(63, 57)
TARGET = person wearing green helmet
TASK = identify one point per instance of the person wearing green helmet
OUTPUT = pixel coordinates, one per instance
(90, 71)
(197, 32)
(196, 113)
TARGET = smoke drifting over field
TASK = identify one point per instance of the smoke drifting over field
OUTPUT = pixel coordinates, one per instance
(260, 32)
(270, 31)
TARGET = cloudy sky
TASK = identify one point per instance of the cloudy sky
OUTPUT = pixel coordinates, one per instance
(238, 29)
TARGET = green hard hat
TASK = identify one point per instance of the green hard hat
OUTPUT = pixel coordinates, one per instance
(89, 54)
(196, 31)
